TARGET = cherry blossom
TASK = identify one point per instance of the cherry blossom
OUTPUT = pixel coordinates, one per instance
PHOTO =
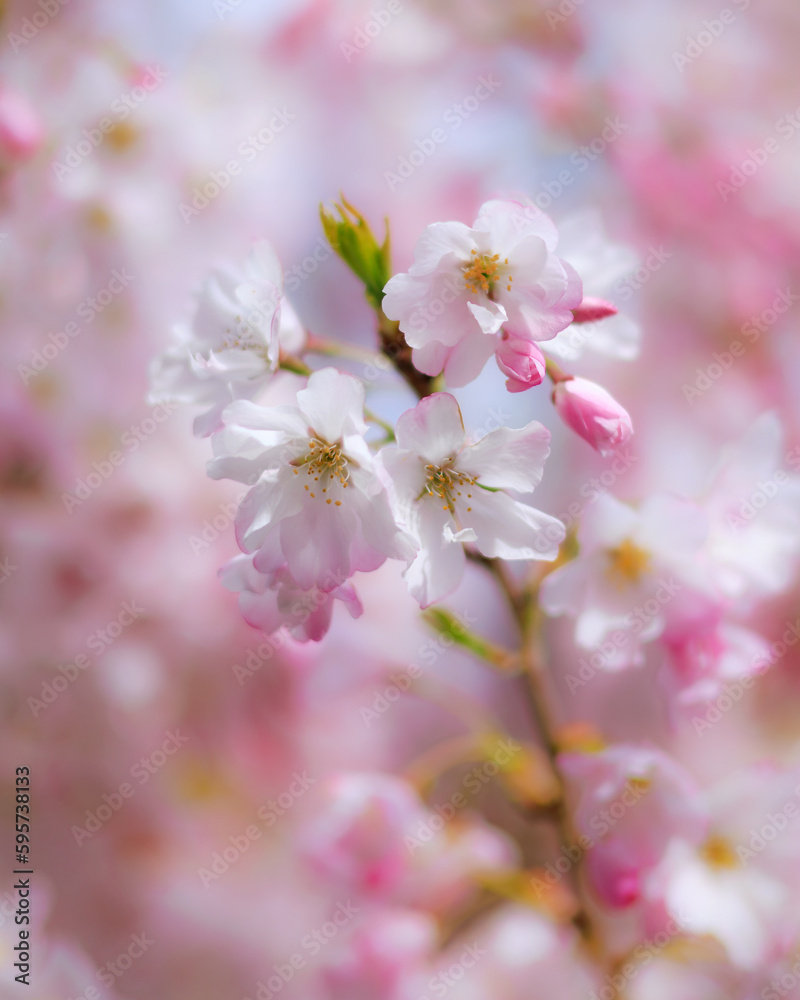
(270, 601)
(373, 835)
(632, 802)
(317, 507)
(636, 568)
(448, 492)
(592, 413)
(231, 346)
(740, 882)
(466, 283)
(522, 360)
(319, 831)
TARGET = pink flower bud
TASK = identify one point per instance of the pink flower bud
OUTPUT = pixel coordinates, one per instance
(523, 362)
(21, 133)
(591, 310)
(593, 413)
(616, 887)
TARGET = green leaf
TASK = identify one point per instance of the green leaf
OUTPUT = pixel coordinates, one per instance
(445, 622)
(349, 234)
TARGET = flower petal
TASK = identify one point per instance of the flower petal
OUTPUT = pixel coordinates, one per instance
(333, 404)
(434, 429)
(508, 458)
(510, 221)
(507, 529)
(439, 565)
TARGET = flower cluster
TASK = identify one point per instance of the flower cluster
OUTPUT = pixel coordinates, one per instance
(667, 584)
(685, 574)
(324, 505)
(442, 684)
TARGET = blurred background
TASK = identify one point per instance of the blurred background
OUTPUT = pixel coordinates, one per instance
(140, 144)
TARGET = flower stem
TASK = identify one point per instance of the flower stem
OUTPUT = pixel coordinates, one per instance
(380, 422)
(527, 614)
(394, 346)
(523, 601)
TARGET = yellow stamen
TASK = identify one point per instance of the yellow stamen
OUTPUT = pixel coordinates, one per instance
(442, 481)
(122, 136)
(326, 462)
(718, 852)
(482, 272)
(627, 562)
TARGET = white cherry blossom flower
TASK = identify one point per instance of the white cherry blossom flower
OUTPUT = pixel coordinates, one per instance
(318, 507)
(448, 492)
(231, 347)
(637, 570)
(466, 283)
(740, 884)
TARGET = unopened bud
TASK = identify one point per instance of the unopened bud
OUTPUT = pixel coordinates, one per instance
(522, 361)
(592, 413)
(591, 310)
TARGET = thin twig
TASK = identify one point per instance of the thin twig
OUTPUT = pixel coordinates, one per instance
(524, 606)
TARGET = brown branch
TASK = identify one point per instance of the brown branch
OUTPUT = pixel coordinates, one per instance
(524, 606)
